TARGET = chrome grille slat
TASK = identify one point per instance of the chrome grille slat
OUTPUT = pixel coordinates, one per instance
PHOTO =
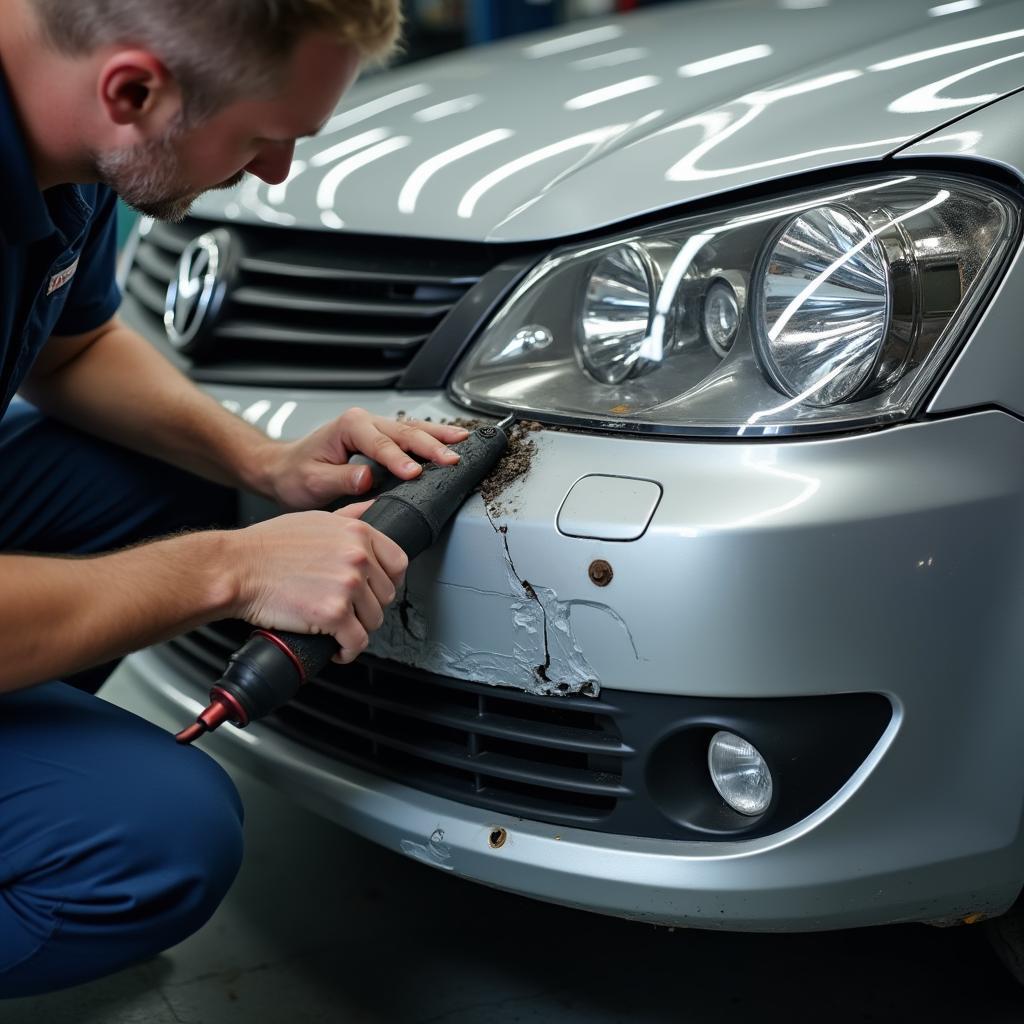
(280, 268)
(251, 331)
(156, 265)
(277, 298)
(142, 288)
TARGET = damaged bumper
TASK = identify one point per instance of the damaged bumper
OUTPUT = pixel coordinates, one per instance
(886, 563)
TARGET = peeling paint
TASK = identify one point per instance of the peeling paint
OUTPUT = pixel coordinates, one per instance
(543, 657)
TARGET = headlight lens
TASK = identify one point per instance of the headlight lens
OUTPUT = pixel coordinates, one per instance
(739, 773)
(822, 311)
(823, 306)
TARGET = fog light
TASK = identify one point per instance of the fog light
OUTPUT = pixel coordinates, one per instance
(739, 773)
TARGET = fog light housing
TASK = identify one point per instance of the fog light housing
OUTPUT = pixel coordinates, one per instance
(739, 773)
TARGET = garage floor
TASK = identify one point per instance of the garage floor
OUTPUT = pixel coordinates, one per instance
(324, 927)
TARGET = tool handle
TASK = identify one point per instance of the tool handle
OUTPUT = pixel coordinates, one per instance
(409, 530)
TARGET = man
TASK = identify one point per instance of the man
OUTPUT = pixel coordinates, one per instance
(115, 842)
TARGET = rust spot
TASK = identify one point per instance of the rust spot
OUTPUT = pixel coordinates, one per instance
(974, 918)
(600, 572)
(619, 410)
(497, 838)
(528, 590)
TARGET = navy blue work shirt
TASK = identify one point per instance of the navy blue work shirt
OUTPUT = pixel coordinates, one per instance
(58, 255)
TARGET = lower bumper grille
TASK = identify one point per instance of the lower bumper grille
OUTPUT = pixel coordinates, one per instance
(546, 758)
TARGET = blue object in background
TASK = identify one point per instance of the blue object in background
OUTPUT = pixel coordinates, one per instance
(493, 19)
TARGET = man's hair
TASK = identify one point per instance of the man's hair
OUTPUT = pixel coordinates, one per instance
(219, 50)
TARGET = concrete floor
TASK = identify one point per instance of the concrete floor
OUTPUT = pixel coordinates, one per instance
(324, 927)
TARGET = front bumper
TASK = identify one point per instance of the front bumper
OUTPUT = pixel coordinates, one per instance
(888, 563)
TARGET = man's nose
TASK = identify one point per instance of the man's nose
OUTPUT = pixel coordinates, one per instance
(273, 163)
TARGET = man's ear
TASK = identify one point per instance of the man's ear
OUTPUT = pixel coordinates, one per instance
(137, 91)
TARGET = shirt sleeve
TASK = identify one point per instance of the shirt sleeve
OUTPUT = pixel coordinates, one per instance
(94, 297)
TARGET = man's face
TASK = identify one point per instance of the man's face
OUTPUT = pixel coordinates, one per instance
(162, 178)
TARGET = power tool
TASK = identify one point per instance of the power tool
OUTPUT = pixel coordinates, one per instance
(268, 669)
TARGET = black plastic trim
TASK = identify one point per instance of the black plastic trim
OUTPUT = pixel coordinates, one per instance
(435, 361)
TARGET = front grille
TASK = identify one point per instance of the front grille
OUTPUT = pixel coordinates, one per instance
(309, 308)
(557, 759)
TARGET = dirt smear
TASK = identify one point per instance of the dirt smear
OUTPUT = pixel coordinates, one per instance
(514, 464)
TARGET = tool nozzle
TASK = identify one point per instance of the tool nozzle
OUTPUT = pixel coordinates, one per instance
(191, 732)
(215, 714)
(506, 422)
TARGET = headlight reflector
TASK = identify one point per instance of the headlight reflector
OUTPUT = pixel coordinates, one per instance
(616, 315)
(823, 306)
(740, 773)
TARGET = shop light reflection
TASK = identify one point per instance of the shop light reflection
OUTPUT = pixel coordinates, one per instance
(410, 193)
(473, 195)
(328, 188)
(367, 110)
(572, 41)
(459, 105)
(725, 60)
(611, 59)
(612, 92)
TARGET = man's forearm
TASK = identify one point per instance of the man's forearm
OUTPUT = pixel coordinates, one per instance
(121, 389)
(61, 615)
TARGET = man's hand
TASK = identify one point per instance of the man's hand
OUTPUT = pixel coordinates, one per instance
(314, 471)
(319, 572)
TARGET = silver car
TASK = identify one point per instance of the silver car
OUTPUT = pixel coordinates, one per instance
(740, 646)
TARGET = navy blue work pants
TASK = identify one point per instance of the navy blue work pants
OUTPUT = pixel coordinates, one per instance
(115, 842)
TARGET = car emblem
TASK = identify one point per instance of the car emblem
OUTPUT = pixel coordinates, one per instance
(196, 291)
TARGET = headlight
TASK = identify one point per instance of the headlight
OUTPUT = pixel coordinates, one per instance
(822, 311)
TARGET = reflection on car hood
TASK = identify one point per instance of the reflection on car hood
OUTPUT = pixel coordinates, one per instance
(546, 136)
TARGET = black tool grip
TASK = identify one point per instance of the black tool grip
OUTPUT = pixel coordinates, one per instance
(261, 676)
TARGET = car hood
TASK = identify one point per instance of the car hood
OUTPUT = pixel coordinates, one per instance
(552, 135)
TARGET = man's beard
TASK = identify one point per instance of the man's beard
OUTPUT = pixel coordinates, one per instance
(147, 177)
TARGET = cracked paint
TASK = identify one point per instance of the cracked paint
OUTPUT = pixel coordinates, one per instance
(530, 640)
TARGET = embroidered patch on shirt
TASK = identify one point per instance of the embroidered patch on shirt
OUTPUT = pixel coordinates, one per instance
(60, 279)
